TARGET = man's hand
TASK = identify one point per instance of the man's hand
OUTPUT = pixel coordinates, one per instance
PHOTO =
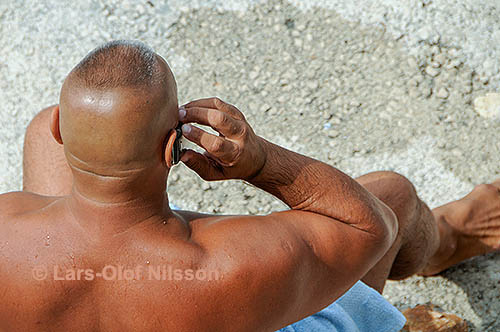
(237, 153)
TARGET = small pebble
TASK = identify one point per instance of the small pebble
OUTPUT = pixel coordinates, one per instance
(488, 106)
(431, 71)
(442, 93)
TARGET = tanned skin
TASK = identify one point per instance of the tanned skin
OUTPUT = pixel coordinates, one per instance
(89, 204)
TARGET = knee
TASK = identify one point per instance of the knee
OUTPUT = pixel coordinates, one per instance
(39, 125)
(417, 231)
(395, 179)
(402, 186)
(399, 194)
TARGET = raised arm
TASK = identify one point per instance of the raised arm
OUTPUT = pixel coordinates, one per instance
(301, 182)
(306, 184)
(307, 256)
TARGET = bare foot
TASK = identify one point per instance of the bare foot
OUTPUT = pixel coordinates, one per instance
(468, 227)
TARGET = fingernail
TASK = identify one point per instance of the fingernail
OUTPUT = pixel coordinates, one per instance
(186, 129)
(182, 112)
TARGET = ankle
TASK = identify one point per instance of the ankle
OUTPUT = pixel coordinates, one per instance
(448, 238)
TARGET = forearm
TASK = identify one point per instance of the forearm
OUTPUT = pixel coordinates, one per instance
(301, 182)
(307, 184)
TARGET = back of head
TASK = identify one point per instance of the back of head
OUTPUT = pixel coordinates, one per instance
(119, 63)
(116, 107)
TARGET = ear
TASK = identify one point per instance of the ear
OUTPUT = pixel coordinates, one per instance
(54, 125)
(169, 146)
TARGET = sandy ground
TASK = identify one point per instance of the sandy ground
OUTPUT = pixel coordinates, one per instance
(387, 85)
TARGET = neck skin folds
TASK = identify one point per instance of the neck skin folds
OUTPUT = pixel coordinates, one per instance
(112, 202)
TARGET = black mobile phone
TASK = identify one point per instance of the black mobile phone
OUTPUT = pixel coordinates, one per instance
(177, 148)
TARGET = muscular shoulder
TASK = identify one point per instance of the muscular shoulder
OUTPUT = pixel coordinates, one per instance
(15, 203)
(284, 266)
(261, 262)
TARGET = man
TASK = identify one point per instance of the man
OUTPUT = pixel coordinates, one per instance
(83, 245)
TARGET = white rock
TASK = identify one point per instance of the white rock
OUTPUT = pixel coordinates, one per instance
(412, 62)
(455, 63)
(333, 133)
(253, 75)
(442, 93)
(431, 71)
(414, 92)
(426, 91)
(488, 105)
(453, 52)
(264, 108)
(298, 42)
(440, 59)
(489, 66)
(424, 33)
(312, 85)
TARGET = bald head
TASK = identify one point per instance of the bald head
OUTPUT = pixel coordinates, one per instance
(120, 64)
(117, 106)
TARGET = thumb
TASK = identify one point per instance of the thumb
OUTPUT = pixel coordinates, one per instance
(199, 163)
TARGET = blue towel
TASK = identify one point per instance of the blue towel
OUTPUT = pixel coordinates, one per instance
(360, 309)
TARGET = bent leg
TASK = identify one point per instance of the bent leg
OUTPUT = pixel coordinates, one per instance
(429, 242)
(45, 170)
(418, 237)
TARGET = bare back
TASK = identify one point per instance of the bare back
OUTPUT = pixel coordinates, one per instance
(231, 272)
(57, 278)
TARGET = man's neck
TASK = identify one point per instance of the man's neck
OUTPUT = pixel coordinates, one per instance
(110, 205)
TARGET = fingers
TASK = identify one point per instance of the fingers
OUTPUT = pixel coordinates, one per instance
(220, 121)
(216, 103)
(221, 148)
(201, 164)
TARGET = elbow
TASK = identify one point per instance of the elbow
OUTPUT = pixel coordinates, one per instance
(385, 227)
(380, 223)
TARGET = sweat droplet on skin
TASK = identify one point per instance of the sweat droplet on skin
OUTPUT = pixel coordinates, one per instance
(72, 260)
